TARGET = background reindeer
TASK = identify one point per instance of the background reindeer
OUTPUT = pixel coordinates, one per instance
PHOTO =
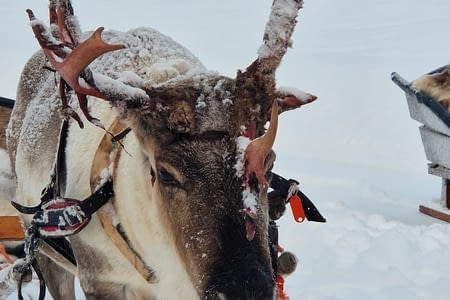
(190, 179)
(5, 111)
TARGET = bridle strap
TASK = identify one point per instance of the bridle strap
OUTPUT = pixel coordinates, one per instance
(107, 157)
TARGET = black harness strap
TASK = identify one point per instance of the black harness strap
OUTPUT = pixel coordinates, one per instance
(63, 247)
(283, 191)
(56, 217)
(70, 219)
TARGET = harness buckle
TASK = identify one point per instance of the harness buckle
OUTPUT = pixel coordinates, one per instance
(73, 215)
(60, 217)
(295, 201)
(293, 188)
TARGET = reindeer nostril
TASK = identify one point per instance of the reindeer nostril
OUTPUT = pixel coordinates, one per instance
(221, 296)
(250, 286)
(215, 296)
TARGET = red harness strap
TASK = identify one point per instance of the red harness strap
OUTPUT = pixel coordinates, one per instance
(280, 287)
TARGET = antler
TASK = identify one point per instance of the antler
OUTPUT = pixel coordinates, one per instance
(70, 59)
(256, 86)
(277, 35)
(257, 151)
(276, 40)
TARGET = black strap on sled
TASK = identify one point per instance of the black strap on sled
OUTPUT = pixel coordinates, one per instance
(6, 102)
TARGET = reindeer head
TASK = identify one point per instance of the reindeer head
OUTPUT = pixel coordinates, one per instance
(206, 149)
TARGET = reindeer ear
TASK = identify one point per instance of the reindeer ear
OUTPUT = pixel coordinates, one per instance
(292, 98)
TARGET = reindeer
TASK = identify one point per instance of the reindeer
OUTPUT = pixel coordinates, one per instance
(190, 177)
(5, 111)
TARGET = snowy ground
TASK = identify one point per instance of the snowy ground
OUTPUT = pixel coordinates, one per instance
(356, 151)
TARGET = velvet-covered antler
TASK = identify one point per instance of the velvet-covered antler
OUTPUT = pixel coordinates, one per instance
(257, 151)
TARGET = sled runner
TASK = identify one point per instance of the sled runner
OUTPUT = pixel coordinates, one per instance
(435, 134)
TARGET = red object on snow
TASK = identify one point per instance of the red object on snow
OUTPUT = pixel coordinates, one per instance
(297, 208)
(5, 254)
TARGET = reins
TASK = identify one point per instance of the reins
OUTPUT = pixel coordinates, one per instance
(55, 217)
(34, 237)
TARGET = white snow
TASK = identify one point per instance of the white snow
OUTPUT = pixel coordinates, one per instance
(241, 144)
(356, 151)
(249, 200)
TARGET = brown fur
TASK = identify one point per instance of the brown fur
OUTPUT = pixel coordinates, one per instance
(437, 86)
(64, 286)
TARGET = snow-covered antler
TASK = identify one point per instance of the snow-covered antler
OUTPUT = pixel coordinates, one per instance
(71, 58)
(259, 79)
(64, 22)
(277, 38)
(277, 34)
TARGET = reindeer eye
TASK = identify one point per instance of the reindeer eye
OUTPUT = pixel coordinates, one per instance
(166, 178)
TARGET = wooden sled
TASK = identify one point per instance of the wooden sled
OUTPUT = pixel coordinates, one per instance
(11, 228)
(435, 134)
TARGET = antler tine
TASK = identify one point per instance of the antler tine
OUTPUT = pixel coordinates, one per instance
(78, 60)
(276, 40)
(71, 59)
(53, 18)
(278, 33)
(258, 149)
(256, 86)
(69, 29)
(71, 63)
